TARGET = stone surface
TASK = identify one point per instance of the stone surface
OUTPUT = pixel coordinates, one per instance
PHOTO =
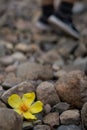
(70, 117)
(42, 127)
(61, 107)
(47, 108)
(69, 127)
(27, 125)
(2, 105)
(10, 120)
(18, 56)
(52, 119)
(20, 89)
(47, 94)
(11, 80)
(49, 57)
(33, 71)
(84, 115)
(6, 60)
(69, 85)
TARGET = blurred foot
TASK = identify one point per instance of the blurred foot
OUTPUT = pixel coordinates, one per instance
(65, 24)
(42, 24)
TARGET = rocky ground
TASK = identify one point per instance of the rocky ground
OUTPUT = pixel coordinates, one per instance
(51, 64)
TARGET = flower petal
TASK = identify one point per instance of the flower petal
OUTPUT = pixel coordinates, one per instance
(36, 107)
(28, 115)
(14, 101)
(18, 111)
(29, 98)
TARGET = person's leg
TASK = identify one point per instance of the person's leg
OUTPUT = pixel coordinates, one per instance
(47, 2)
(47, 8)
(62, 18)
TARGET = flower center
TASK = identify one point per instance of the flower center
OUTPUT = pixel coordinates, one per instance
(24, 107)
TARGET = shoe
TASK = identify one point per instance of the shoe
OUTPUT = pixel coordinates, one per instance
(64, 24)
(42, 24)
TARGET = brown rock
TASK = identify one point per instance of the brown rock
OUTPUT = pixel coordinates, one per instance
(72, 88)
(10, 120)
(47, 93)
(21, 47)
(52, 119)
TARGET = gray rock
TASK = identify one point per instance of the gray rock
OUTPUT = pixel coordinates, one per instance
(49, 57)
(69, 127)
(20, 89)
(78, 64)
(66, 47)
(79, 7)
(10, 120)
(33, 71)
(27, 125)
(47, 108)
(42, 127)
(52, 119)
(6, 60)
(61, 107)
(70, 117)
(2, 49)
(84, 115)
(11, 80)
(47, 94)
(2, 105)
(18, 56)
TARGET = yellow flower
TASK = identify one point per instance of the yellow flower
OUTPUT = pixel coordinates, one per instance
(25, 106)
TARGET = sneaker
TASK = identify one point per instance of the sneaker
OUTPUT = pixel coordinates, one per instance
(64, 24)
(42, 24)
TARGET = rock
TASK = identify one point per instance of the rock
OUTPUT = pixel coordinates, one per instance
(47, 108)
(10, 120)
(69, 127)
(59, 73)
(18, 56)
(84, 115)
(6, 60)
(52, 119)
(1, 91)
(2, 105)
(2, 49)
(58, 64)
(61, 107)
(11, 68)
(49, 57)
(69, 85)
(37, 122)
(42, 127)
(70, 117)
(20, 89)
(21, 47)
(1, 79)
(11, 80)
(47, 93)
(66, 47)
(79, 7)
(80, 51)
(27, 125)
(33, 71)
(45, 38)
